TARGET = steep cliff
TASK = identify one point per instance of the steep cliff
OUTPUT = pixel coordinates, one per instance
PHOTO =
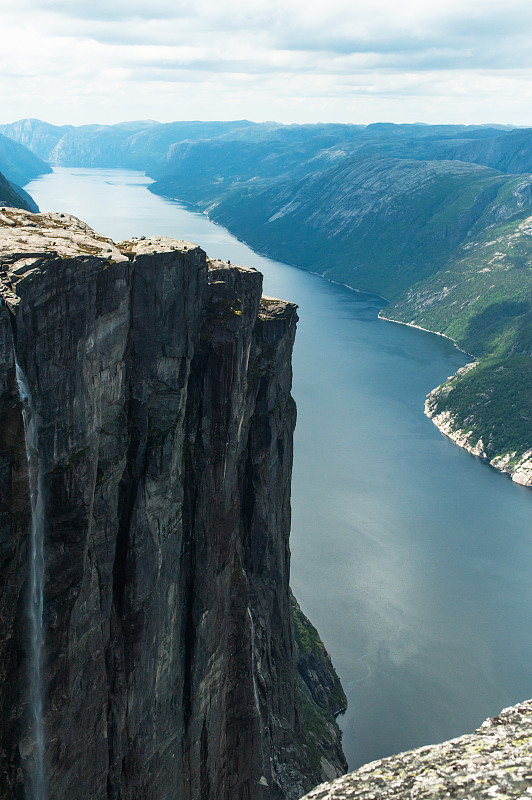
(160, 387)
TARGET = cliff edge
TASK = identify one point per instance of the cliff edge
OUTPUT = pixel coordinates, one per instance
(158, 383)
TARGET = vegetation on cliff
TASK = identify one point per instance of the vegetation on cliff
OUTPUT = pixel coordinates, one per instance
(320, 693)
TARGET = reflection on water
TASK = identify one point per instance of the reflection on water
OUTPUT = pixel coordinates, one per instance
(411, 557)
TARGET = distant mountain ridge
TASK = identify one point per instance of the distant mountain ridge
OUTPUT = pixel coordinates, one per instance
(155, 146)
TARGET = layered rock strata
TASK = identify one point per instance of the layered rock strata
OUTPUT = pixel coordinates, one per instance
(161, 386)
(494, 763)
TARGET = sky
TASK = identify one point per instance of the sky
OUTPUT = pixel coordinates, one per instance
(359, 61)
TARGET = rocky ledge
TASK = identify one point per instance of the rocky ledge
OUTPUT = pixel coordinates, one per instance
(160, 385)
(494, 763)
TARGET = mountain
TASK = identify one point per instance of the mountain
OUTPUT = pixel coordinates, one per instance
(376, 224)
(134, 145)
(509, 152)
(18, 164)
(13, 195)
(483, 301)
(145, 459)
(271, 149)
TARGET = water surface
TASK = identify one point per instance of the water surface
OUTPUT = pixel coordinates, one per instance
(413, 558)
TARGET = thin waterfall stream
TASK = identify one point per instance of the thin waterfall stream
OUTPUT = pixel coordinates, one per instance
(37, 771)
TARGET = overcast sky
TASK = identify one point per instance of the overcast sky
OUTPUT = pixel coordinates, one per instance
(79, 61)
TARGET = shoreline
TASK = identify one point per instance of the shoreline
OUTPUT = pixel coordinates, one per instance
(519, 469)
(426, 330)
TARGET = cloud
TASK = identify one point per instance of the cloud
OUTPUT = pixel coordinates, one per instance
(117, 11)
(75, 56)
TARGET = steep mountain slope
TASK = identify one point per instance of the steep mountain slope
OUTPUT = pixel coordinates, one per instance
(509, 152)
(12, 195)
(483, 300)
(376, 224)
(18, 164)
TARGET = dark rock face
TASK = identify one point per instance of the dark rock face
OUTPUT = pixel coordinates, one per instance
(161, 384)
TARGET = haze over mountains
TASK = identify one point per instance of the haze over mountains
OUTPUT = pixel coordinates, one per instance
(436, 219)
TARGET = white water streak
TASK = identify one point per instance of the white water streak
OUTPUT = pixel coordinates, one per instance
(254, 665)
(37, 772)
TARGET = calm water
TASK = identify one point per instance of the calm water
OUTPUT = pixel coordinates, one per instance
(412, 558)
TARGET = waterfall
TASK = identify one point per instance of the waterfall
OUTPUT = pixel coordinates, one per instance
(254, 665)
(37, 772)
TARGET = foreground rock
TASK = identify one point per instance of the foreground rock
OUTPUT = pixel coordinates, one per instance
(495, 762)
(161, 387)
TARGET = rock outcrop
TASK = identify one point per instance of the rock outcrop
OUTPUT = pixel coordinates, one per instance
(160, 383)
(494, 762)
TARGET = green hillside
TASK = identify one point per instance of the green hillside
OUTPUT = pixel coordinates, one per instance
(375, 224)
(483, 300)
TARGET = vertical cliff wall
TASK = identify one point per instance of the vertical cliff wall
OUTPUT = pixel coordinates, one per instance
(161, 387)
